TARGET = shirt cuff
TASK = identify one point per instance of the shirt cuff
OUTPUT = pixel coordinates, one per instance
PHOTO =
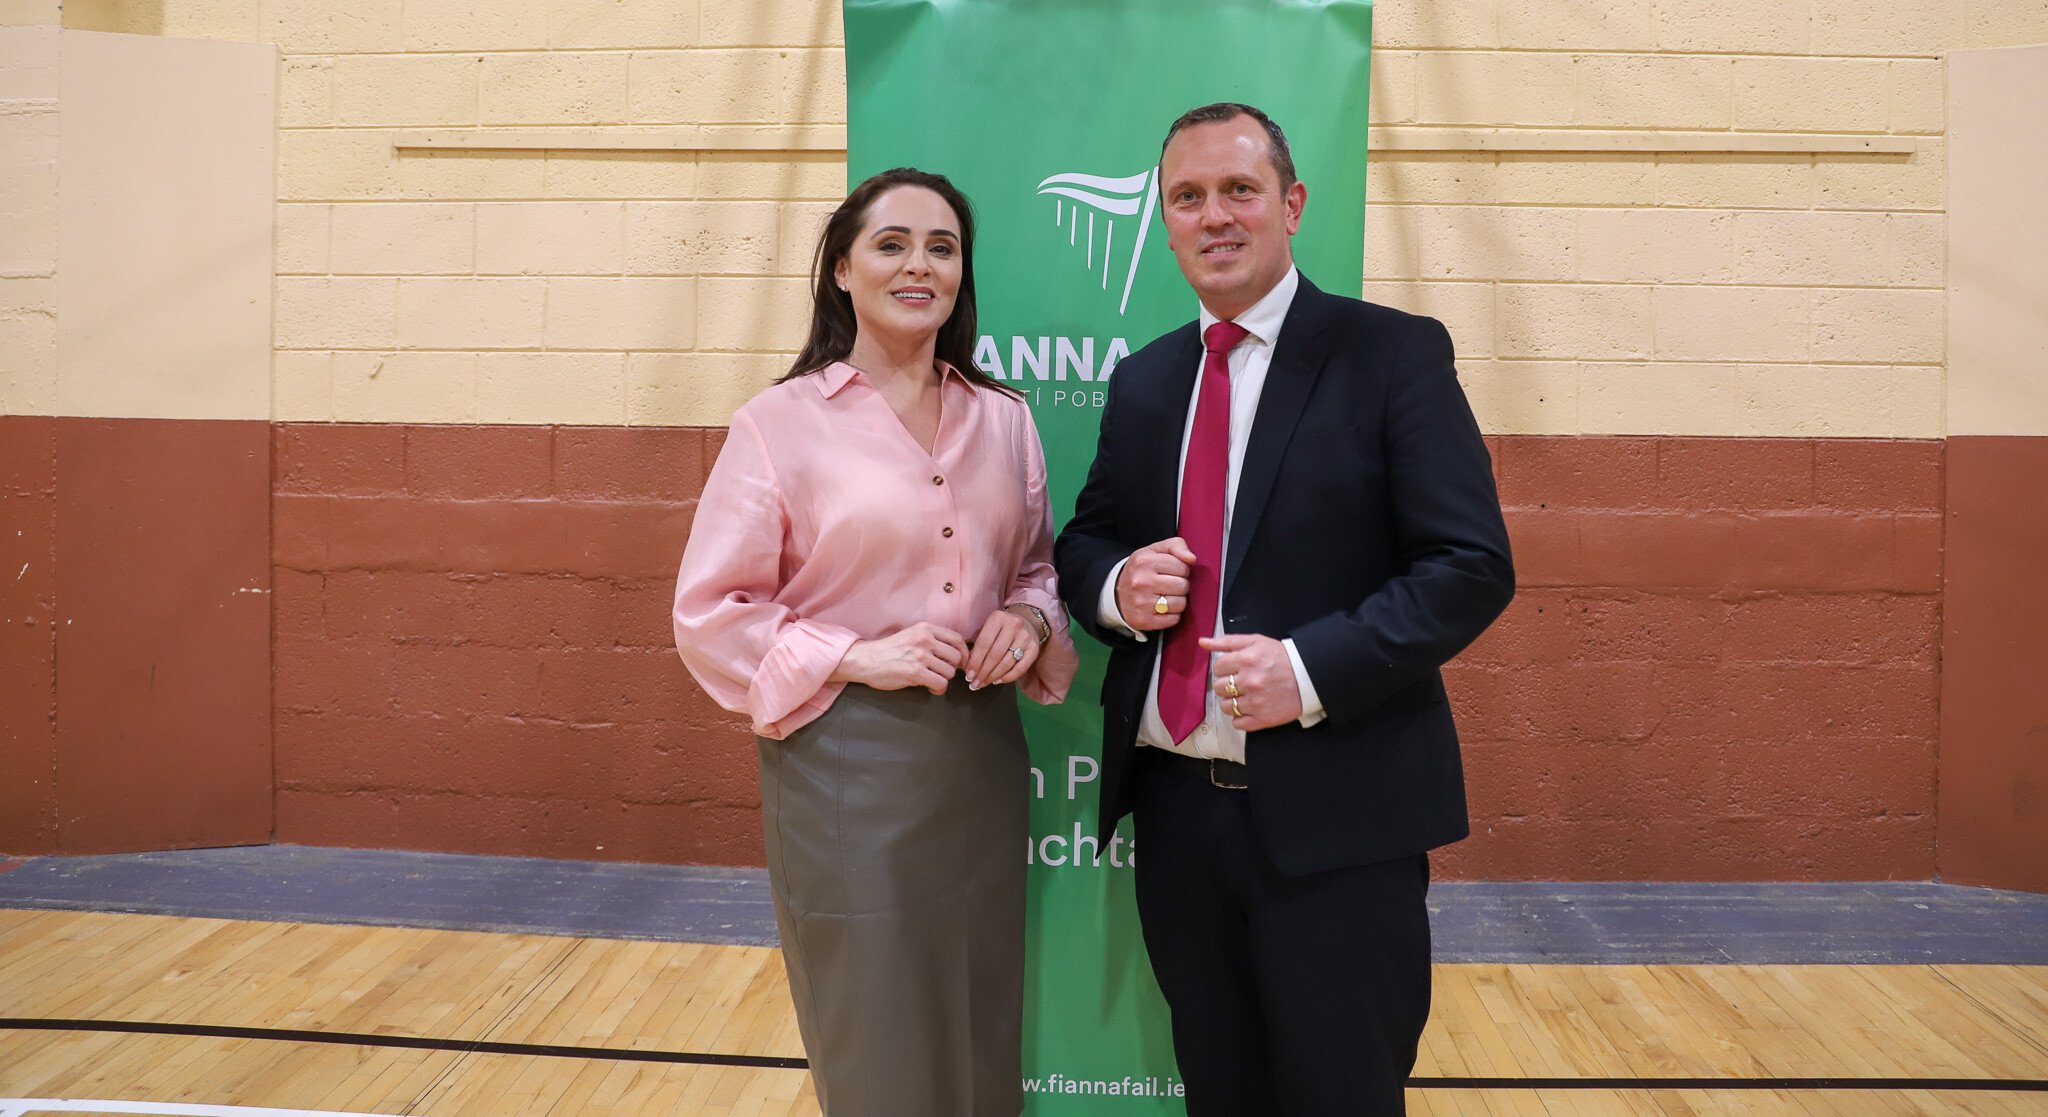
(1113, 617)
(1311, 702)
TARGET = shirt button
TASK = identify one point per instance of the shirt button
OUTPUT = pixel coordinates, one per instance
(949, 587)
(948, 533)
(937, 480)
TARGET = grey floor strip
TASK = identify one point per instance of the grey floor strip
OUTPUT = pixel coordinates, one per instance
(1583, 923)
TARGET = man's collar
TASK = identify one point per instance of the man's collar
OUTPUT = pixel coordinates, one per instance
(1266, 316)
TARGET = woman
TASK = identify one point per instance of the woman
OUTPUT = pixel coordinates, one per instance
(869, 571)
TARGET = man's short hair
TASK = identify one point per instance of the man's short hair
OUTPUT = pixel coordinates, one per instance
(1276, 140)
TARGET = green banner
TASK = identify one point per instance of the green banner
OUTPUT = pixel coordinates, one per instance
(1049, 115)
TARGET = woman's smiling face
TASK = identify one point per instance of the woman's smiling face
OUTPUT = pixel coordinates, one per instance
(903, 270)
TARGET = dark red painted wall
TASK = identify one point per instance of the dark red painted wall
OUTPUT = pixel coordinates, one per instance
(1994, 684)
(474, 653)
(136, 701)
(1722, 664)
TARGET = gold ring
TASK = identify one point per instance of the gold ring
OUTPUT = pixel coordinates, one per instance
(1236, 710)
(1159, 606)
(1230, 686)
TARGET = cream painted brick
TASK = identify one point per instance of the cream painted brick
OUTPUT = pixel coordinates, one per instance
(404, 238)
(1736, 181)
(774, 176)
(555, 89)
(1733, 323)
(28, 362)
(1737, 26)
(471, 313)
(316, 165)
(1861, 27)
(1919, 96)
(1919, 249)
(2007, 23)
(1897, 327)
(1422, 178)
(785, 23)
(1391, 87)
(1891, 182)
(325, 27)
(1393, 243)
(28, 198)
(753, 314)
(1812, 248)
(631, 313)
(1659, 91)
(31, 13)
(397, 90)
(621, 174)
(550, 238)
(1656, 246)
(1812, 94)
(584, 24)
(112, 17)
(305, 93)
(1573, 322)
(1495, 242)
(1522, 397)
(799, 225)
(1577, 179)
(301, 239)
(1465, 309)
(404, 387)
(344, 313)
(229, 20)
(1772, 401)
(818, 86)
(585, 388)
(700, 238)
(468, 25)
(301, 386)
(1608, 25)
(695, 389)
(1413, 23)
(1494, 89)
(711, 87)
(28, 59)
(22, 294)
(471, 174)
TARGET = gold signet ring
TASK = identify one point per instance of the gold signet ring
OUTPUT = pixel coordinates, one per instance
(1159, 606)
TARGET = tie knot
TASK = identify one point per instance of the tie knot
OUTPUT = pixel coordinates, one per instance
(1224, 336)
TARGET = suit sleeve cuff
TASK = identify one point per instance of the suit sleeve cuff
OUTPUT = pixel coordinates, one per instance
(1311, 702)
(1113, 618)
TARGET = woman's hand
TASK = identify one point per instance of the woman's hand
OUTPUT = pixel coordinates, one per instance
(1004, 649)
(922, 655)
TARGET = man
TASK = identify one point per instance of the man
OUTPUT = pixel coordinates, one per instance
(1290, 525)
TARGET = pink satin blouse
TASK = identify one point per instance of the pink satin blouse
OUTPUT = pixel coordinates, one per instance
(824, 522)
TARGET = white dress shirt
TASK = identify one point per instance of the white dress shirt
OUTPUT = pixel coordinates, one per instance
(1215, 737)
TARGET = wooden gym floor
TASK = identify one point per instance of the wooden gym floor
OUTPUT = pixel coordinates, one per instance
(115, 1013)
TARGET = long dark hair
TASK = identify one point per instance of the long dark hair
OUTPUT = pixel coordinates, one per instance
(832, 322)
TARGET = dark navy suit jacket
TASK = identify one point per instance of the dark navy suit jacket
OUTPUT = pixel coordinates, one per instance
(1366, 528)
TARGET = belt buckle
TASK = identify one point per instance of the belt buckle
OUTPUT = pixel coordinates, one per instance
(1214, 782)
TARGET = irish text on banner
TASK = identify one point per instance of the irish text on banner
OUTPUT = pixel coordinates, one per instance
(1049, 115)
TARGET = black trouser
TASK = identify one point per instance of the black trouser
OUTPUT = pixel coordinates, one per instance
(1300, 996)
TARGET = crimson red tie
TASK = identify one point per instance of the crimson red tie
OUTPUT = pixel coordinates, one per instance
(1204, 482)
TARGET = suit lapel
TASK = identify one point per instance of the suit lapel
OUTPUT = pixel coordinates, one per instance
(1298, 358)
(1164, 425)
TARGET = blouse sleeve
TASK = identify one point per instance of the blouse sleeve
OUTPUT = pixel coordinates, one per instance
(1036, 584)
(750, 653)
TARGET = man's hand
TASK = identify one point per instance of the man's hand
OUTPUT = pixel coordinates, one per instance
(1255, 679)
(1154, 576)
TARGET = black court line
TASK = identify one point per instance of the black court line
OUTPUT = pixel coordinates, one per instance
(627, 1054)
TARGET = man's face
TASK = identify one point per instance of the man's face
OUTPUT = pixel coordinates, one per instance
(1227, 218)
